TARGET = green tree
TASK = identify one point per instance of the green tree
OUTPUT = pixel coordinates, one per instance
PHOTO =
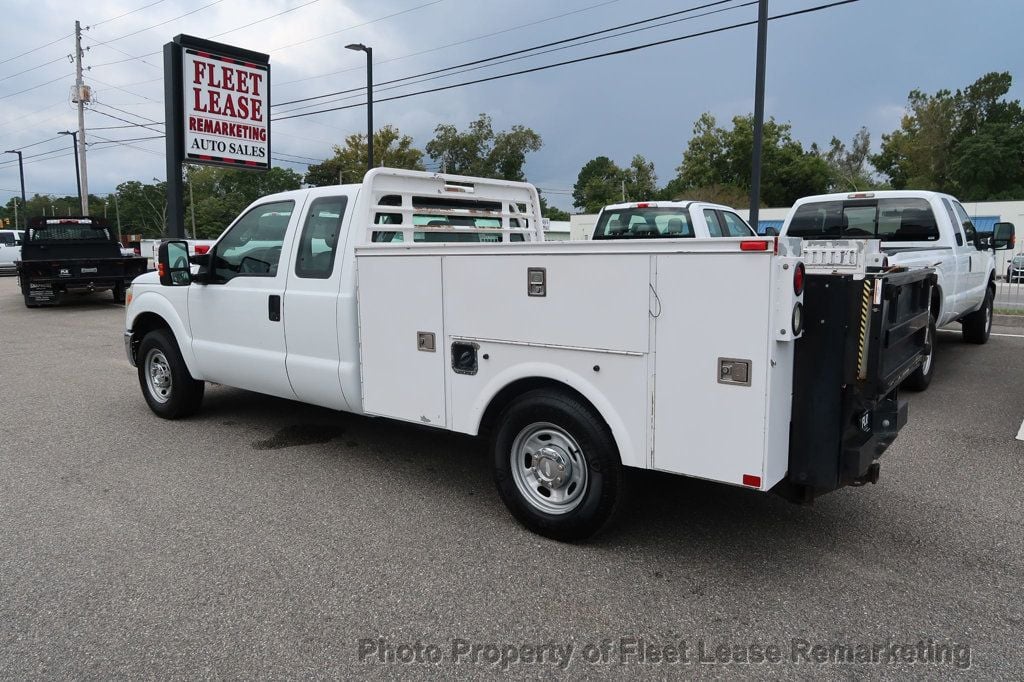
(552, 212)
(598, 184)
(481, 152)
(220, 194)
(849, 165)
(968, 143)
(142, 207)
(641, 182)
(390, 148)
(720, 157)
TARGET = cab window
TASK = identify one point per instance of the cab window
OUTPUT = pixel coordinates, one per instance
(252, 247)
(644, 223)
(965, 221)
(319, 241)
(714, 224)
(735, 226)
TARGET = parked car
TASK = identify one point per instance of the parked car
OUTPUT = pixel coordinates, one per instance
(10, 250)
(1015, 270)
(310, 296)
(670, 220)
(917, 229)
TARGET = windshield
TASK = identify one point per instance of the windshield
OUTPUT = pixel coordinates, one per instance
(891, 220)
(644, 223)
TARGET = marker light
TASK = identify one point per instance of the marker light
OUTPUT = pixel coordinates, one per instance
(643, 205)
(202, 248)
(751, 480)
(754, 245)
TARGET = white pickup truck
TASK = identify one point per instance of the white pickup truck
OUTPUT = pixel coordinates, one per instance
(917, 229)
(669, 219)
(10, 250)
(432, 299)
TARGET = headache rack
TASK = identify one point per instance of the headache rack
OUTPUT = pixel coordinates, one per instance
(414, 203)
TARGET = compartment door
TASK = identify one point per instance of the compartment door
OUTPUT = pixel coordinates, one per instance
(712, 308)
(400, 312)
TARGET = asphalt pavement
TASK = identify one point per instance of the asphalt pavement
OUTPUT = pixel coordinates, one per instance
(264, 538)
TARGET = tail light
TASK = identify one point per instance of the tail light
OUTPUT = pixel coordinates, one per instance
(754, 245)
(798, 279)
(202, 249)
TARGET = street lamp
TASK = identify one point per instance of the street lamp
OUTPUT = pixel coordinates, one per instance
(74, 144)
(359, 47)
(21, 172)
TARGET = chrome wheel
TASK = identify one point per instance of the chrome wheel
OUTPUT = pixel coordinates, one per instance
(988, 318)
(549, 468)
(158, 375)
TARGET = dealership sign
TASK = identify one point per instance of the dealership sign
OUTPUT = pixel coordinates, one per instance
(222, 97)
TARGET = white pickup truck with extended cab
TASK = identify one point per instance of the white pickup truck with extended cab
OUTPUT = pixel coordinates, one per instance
(917, 229)
(669, 219)
(432, 299)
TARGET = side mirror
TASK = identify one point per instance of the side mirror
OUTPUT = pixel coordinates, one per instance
(1003, 236)
(172, 264)
(771, 232)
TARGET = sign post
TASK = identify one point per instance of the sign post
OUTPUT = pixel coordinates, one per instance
(217, 113)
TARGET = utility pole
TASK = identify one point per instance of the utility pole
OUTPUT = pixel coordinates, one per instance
(755, 173)
(117, 212)
(21, 174)
(80, 96)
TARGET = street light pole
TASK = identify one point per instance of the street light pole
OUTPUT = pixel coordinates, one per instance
(74, 144)
(359, 47)
(21, 173)
(755, 171)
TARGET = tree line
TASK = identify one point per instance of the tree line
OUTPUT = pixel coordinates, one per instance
(969, 143)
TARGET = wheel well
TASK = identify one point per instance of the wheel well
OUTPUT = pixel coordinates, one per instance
(144, 324)
(936, 302)
(505, 396)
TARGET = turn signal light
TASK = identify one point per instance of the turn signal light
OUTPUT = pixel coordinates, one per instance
(161, 270)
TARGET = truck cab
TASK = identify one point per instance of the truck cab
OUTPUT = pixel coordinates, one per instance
(10, 250)
(916, 229)
(669, 220)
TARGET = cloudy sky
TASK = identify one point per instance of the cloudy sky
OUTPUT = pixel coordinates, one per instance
(829, 72)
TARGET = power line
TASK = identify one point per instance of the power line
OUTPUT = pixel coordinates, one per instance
(260, 21)
(36, 49)
(128, 113)
(455, 44)
(121, 16)
(149, 28)
(578, 60)
(36, 87)
(517, 52)
(482, 62)
(52, 61)
(123, 120)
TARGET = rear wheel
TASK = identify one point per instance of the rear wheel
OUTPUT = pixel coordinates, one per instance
(978, 325)
(118, 292)
(169, 389)
(556, 465)
(922, 376)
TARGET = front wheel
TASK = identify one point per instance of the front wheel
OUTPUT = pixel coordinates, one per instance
(922, 376)
(978, 325)
(169, 389)
(556, 465)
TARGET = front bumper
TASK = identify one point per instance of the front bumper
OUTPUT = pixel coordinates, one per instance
(129, 347)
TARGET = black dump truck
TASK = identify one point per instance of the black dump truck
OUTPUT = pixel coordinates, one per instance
(73, 255)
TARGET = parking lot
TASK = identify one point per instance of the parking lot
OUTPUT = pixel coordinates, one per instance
(266, 538)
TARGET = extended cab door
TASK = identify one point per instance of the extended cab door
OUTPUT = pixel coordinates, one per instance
(237, 334)
(975, 263)
(313, 306)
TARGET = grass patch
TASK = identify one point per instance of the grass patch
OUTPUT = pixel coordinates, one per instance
(1008, 311)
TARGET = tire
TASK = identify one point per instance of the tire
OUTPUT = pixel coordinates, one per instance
(118, 292)
(978, 325)
(169, 389)
(570, 503)
(922, 376)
